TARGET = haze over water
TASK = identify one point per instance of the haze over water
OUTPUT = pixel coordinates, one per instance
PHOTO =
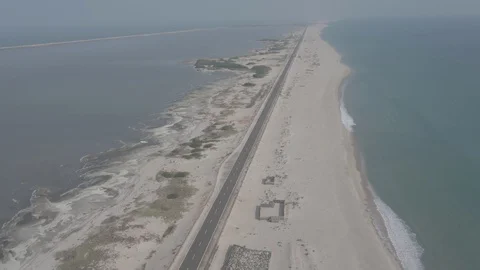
(415, 98)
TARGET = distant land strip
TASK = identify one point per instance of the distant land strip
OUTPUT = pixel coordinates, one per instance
(107, 38)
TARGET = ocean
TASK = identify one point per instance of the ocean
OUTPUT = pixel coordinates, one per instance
(412, 103)
(60, 103)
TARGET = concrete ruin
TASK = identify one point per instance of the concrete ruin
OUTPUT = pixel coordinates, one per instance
(273, 211)
(242, 258)
(269, 180)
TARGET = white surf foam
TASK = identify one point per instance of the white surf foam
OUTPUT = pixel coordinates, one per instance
(347, 119)
(407, 249)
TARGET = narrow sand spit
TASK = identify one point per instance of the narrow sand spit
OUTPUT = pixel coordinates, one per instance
(141, 207)
(305, 158)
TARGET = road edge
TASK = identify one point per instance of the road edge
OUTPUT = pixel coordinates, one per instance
(212, 247)
(222, 174)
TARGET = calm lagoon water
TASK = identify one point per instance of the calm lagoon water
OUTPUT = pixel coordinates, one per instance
(59, 103)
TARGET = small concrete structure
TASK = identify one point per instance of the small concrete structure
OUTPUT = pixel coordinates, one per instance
(272, 212)
(269, 180)
(242, 258)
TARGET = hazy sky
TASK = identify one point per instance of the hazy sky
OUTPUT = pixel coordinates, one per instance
(126, 12)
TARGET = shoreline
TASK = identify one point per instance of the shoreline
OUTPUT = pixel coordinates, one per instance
(136, 197)
(367, 189)
(374, 202)
(377, 220)
(327, 220)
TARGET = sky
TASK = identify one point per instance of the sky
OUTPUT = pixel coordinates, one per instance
(54, 13)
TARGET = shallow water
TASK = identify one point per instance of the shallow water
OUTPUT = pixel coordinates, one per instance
(59, 103)
(414, 98)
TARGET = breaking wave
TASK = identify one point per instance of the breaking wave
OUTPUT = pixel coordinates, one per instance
(404, 241)
(347, 119)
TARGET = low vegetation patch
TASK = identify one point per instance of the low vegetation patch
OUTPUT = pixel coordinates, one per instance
(228, 128)
(172, 196)
(172, 201)
(227, 112)
(260, 71)
(268, 39)
(196, 150)
(172, 174)
(175, 152)
(196, 155)
(92, 252)
(208, 145)
(210, 128)
(249, 84)
(195, 143)
(169, 230)
(219, 64)
(260, 94)
(277, 46)
(193, 149)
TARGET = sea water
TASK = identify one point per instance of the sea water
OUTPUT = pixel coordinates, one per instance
(412, 103)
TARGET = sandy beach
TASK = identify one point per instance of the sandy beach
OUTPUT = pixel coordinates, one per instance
(138, 209)
(302, 204)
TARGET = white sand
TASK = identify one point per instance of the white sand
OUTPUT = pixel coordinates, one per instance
(309, 151)
(117, 225)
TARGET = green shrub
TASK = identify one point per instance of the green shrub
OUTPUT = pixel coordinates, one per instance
(172, 174)
(195, 150)
(260, 71)
(195, 143)
(208, 145)
(227, 128)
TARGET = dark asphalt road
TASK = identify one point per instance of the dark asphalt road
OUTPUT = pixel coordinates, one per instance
(202, 240)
